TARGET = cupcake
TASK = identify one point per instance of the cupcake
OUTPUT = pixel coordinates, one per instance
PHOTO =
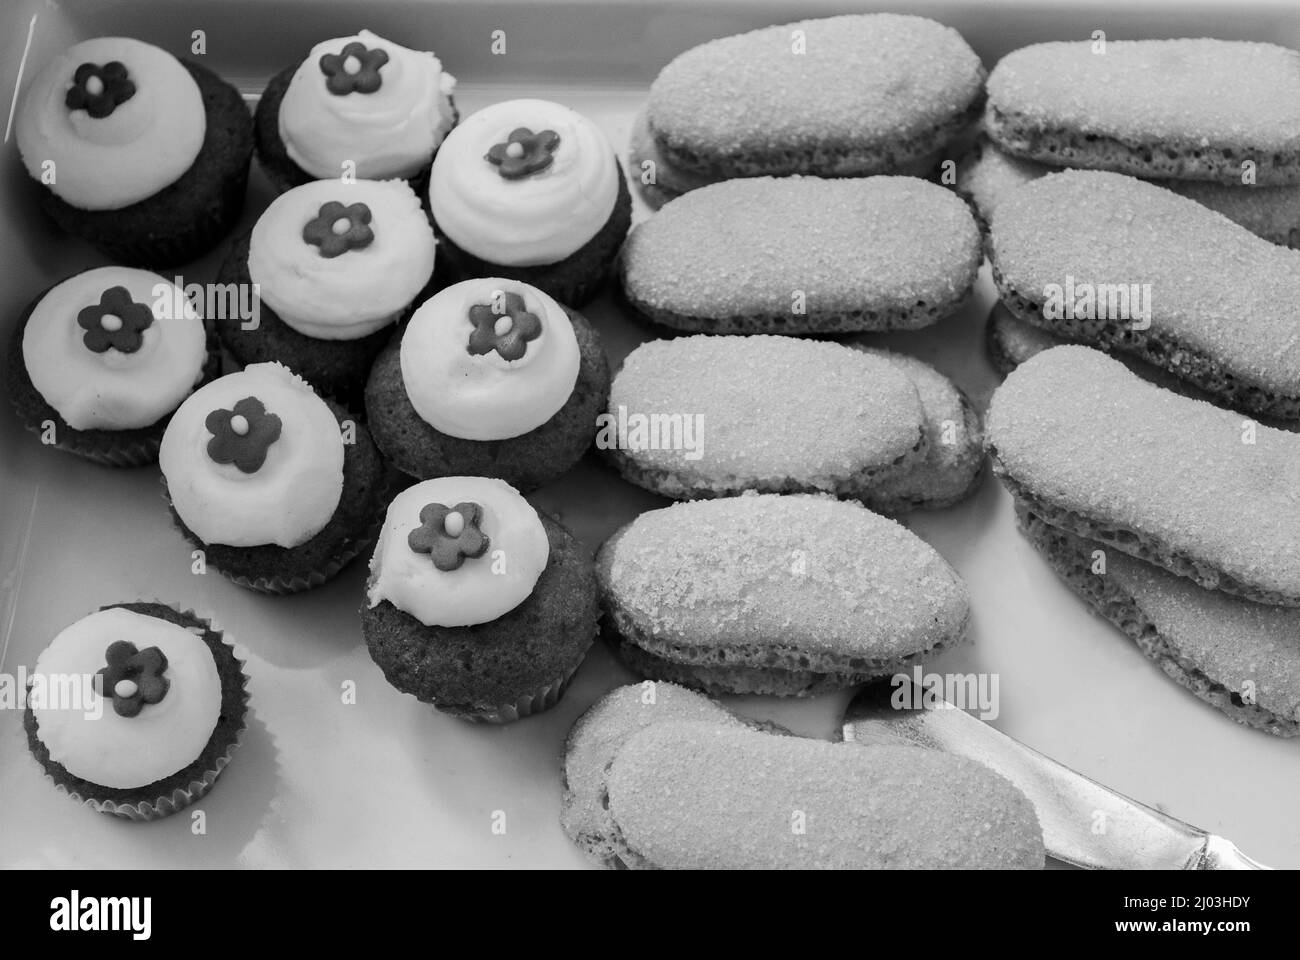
(530, 190)
(276, 486)
(154, 719)
(98, 363)
(491, 377)
(357, 107)
(335, 266)
(141, 155)
(477, 603)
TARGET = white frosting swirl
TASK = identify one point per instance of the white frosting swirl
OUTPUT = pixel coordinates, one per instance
(114, 390)
(481, 589)
(539, 218)
(486, 397)
(290, 498)
(111, 162)
(391, 132)
(357, 292)
(91, 739)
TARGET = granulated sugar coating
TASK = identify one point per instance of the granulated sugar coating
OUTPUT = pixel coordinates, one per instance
(1216, 290)
(780, 255)
(862, 95)
(600, 732)
(1160, 476)
(1240, 657)
(699, 796)
(764, 577)
(954, 451)
(986, 175)
(1192, 109)
(1011, 341)
(769, 408)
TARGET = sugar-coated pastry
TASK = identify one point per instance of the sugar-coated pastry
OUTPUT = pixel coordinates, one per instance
(158, 715)
(600, 732)
(491, 377)
(277, 487)
(802, 255)
(143, 156)
(1128, 266)
(1240, 657)
(1192, 109)
(99, 361)
(530, 190)
(834, 97)
(477, 603)
(1201, 491)
(953, 465)
(697, 417)
(787, 595)
(336, 266)
(357, 107)
(985, 175)
(697, 796)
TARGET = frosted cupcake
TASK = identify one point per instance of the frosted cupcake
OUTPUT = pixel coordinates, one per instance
(141, 155)
(336, 266)
(493, 378)
(530, 190)
(155, 718)
(98, 363)
(477, 603)
(358, 106)
(276, 486)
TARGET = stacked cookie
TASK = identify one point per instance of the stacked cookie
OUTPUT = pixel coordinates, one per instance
(1212, 125)
(1175, 519)
(659, 777)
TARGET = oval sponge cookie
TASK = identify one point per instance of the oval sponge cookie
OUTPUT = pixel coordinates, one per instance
(709, 416)
(801, 255)
(1191, 109)
(786, 595)
(704, 796)
(841, 96)
(1216, 304)
(1092, 448)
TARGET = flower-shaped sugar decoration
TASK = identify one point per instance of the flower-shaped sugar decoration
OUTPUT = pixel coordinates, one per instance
(117, 322)
(524, 152)
(336, 229)
(449, 534)
(99, 90)
(355, 69)
(504, 325)
(133, 677)
(242, 435)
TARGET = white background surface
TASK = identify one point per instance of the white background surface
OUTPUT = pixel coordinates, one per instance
(388, 782)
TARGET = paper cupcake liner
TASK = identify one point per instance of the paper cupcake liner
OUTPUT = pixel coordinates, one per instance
(199, 786)
(527, 705)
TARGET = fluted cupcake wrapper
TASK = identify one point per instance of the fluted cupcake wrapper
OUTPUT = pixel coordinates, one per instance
(198, 787)
(527, 705)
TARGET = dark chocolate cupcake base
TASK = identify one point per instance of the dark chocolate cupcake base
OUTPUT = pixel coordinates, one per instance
(526, 462)
(270, 568)
(524, 656)
(573, 281)
(189, 217)
(172, 793)
(112, 448)
(335, 368)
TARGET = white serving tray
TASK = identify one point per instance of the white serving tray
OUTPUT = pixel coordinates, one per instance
(387, 781)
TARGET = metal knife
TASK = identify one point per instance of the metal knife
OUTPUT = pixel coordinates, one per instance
(1084, 823)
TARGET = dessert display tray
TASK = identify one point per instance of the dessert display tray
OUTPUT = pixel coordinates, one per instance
(337, 768)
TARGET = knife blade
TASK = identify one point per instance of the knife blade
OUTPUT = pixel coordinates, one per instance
(1084, 823)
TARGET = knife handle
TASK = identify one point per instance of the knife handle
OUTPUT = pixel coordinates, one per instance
(1219, 853)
